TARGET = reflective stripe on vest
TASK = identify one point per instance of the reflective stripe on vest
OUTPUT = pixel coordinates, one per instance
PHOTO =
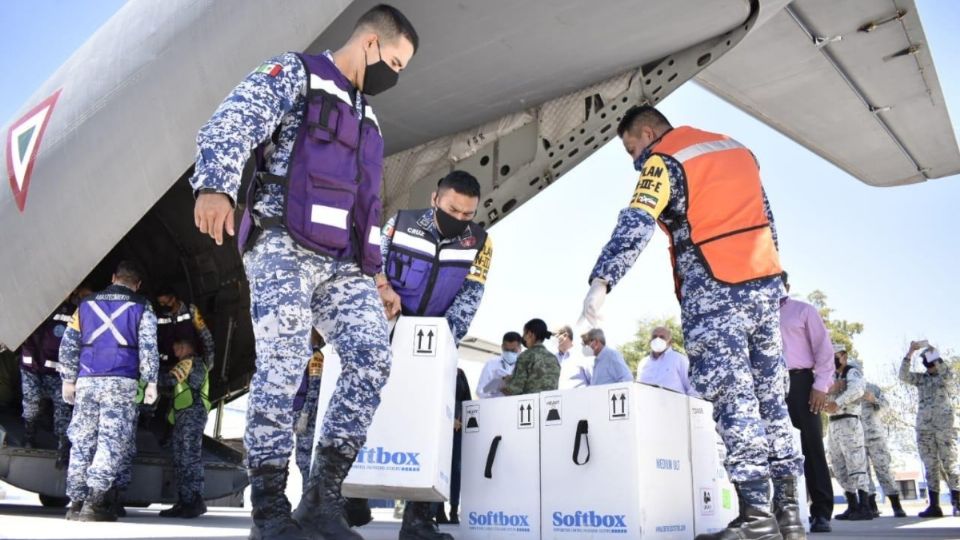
(729, 226)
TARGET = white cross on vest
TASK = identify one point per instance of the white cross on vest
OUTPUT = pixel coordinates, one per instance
(108, 323)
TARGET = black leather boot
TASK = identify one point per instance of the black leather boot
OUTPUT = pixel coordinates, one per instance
(321, 510)
(955, 500)
(63, 453)
(851, 506)
(787, 509)
(895, 505)
(73, 512)
(862, 511)
(454, 514)
(173, 511)
(358, 512)
(29, 434)
(418, 523)
(97, 507)
(741, 508)
(271, 509)
(753, 523)
(194, 507)
(934, 509)
(118, 508)
(440, 514)
(873, 505)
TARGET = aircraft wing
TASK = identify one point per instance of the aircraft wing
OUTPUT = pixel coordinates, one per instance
(852, 81)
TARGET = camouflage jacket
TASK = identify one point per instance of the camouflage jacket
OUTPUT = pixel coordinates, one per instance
(935, 400)
(537, 370)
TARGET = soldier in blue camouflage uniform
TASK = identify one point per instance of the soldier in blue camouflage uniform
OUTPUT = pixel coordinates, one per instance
(189, 405)
(435, 262)
(306, 423)
(40, 380)
(293, 288)
(731, 332)
(110, 343)
(936, 424)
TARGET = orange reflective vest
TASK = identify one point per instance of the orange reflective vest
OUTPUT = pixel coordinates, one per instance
(729, 228)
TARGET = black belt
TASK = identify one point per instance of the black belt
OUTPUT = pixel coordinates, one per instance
(842, 416)
(800, 370)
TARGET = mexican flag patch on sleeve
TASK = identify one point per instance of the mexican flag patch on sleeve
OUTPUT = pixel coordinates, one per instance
(270, 69)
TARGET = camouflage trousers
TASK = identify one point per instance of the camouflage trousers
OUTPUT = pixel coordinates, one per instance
(305, 428)
(35, 388)
(736, 362)
(292, 289)
(938, 452)
(848, 456)
(188, 450)
(878, 455)
(101, 432)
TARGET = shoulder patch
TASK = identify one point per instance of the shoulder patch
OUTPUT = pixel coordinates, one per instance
(481, 264)
(197, 319)
(75, 321)
(653, 189)
(269, 68)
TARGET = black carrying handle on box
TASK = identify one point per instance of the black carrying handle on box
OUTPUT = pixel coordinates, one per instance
(491, 455)
(582, 436)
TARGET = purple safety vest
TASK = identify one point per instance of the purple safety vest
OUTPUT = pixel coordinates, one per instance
(109, 333)
(332, 188)
(176, 327)
(425, 274)
(40, 353)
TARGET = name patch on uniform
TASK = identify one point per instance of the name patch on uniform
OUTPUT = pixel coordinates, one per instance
(270, 69)
(481, 264)
(653, 189)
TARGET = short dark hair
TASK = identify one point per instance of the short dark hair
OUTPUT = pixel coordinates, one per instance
(462, 182)
(538, 328)
(167, 290)
(185, 341)
(389, 24)
(129, 272)
(783, 277)
(641, 115)
(512, 337)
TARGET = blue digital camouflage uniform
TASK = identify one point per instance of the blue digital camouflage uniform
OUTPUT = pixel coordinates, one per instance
(732, 336)
(104, 415)
(306, 423)
(292, 288)
(464, 307)
(37, 386)
(848, 456)
(187, 437)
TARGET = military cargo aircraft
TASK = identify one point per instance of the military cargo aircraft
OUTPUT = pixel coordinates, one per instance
(517, 93)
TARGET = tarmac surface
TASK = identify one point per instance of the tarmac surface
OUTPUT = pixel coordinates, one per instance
(26, 521)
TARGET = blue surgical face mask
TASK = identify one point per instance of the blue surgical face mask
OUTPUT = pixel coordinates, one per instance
(510, 357)
(647, 152)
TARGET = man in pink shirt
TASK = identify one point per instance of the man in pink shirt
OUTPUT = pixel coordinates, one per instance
(809, 354)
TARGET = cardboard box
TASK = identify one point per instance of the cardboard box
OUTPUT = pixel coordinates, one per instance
(615, 463)
(500, 473)
(410, 442)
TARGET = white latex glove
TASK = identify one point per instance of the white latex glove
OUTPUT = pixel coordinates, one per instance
(150, 394)
(69, 391)
(593, 302)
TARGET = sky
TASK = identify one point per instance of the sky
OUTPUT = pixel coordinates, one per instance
(884, 257)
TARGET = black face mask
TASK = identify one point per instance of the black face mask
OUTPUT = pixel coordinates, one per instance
(836, 362)
(450, 227)
(379, 76)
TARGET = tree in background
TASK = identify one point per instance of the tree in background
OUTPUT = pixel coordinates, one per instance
(841, 331)
(635, 351)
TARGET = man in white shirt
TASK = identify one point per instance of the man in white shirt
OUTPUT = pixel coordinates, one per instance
(491, 379)
(665, 367)
(574, 372)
